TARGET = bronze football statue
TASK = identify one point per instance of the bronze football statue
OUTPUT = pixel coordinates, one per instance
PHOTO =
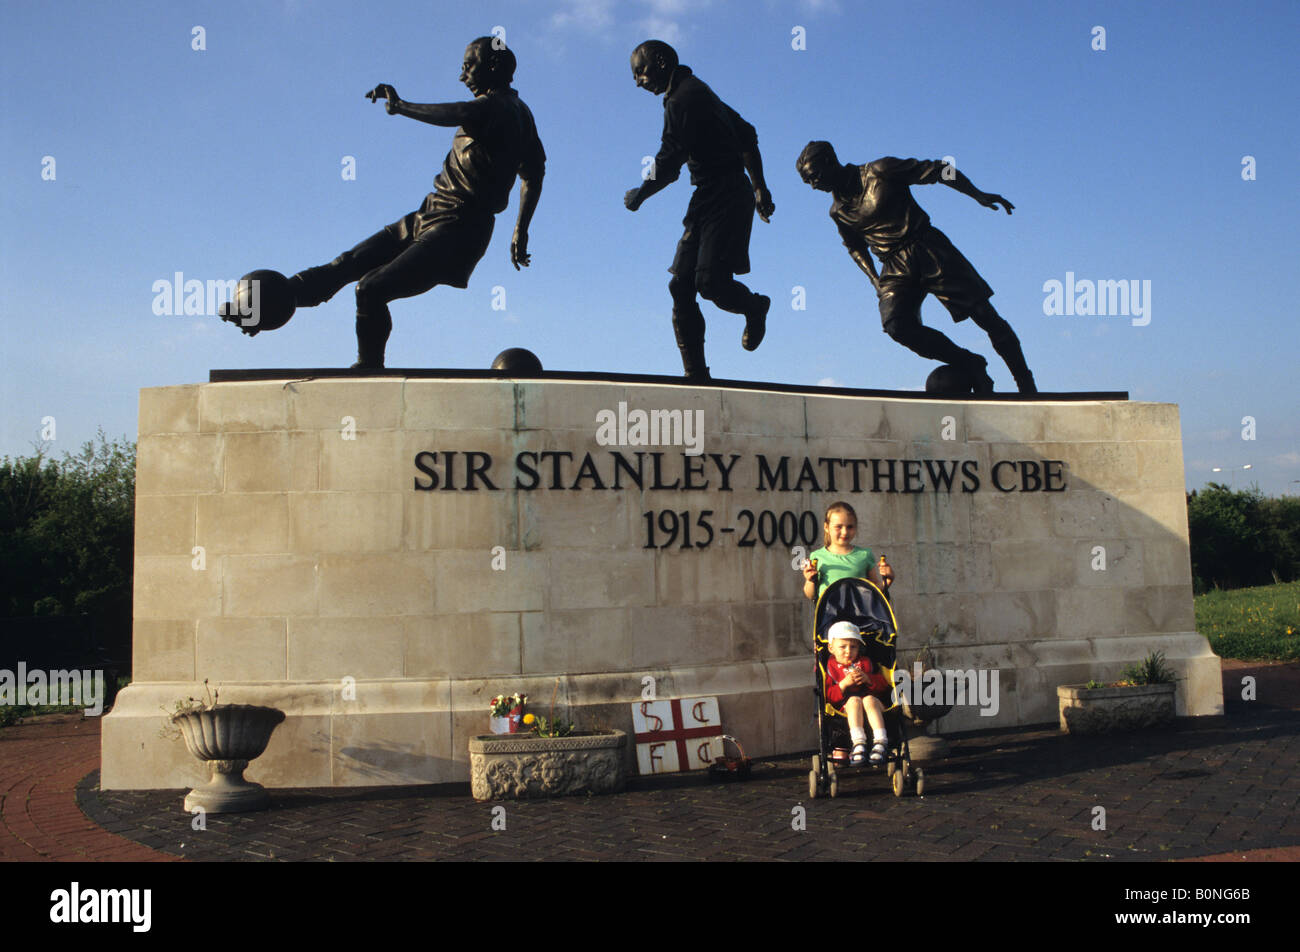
(874, 210)
(442, 241)
(719, 148)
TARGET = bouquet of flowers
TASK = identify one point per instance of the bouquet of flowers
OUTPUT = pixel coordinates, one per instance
(506, 712)
(503, 704)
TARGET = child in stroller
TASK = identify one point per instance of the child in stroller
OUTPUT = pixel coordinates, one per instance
(858, 688)
(858, 604)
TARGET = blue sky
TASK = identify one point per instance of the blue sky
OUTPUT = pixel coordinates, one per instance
(1123, 164)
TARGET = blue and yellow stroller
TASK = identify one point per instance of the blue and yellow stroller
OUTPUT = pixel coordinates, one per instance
(859, 601)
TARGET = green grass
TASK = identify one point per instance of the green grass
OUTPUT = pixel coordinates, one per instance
(1252, 624)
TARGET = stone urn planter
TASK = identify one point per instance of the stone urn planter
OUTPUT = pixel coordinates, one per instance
(1086, 710)
(227, 737)
(923, 746)
(518, 766)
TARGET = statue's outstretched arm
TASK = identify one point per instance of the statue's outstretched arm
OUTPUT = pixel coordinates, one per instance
(964, 185)
(438, 113)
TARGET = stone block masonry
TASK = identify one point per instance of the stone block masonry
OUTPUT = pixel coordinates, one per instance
(380, 556)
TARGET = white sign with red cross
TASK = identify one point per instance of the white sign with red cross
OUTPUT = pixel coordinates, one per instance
(678, 734)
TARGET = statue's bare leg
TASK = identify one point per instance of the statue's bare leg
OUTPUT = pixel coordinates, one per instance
(900, 314)
(935, 345)
(688, 325)
(412, 272)
(724, 292)
(317, 285)
(1007, 345)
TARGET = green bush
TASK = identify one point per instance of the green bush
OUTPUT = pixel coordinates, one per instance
(1241, 538)
(67, 535)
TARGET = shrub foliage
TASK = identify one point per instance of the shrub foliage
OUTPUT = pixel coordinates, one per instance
(1242, 538)
(67, 534)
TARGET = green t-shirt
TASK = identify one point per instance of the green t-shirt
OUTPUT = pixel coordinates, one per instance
(832, 568)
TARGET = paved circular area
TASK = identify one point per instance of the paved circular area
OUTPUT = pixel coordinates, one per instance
(1208, 786)
(1223, 788)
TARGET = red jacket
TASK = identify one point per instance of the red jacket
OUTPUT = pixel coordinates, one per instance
(877, 681)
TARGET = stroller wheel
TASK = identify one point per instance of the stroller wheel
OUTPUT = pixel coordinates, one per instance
(889, 769)
(816, 764)
(898, 783)
(835, 786)
(812, 784)
(920, 782)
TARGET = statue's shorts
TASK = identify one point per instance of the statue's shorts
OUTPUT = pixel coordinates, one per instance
(443, 240)
(929, 265)
(438, 244)
(718, 221)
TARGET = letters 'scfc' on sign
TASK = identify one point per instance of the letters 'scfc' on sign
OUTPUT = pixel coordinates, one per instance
(681, 734)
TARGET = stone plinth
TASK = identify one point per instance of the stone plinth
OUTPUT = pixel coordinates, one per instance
(379, 557)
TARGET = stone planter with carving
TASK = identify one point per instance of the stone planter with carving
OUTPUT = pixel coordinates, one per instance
(517, 766)
(227, 737)
(1100, 710)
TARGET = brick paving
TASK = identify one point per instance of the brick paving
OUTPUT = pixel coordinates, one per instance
(1221, 788)
(41, 763)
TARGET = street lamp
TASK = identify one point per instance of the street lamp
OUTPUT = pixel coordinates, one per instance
(1232, 478)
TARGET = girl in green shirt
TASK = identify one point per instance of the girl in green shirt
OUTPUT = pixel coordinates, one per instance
(839, 557)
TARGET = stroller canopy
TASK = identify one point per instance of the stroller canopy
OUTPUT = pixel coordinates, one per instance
(857, 600)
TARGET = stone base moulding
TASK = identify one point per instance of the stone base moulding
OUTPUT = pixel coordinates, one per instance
(518, 766)
(1102, 710)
